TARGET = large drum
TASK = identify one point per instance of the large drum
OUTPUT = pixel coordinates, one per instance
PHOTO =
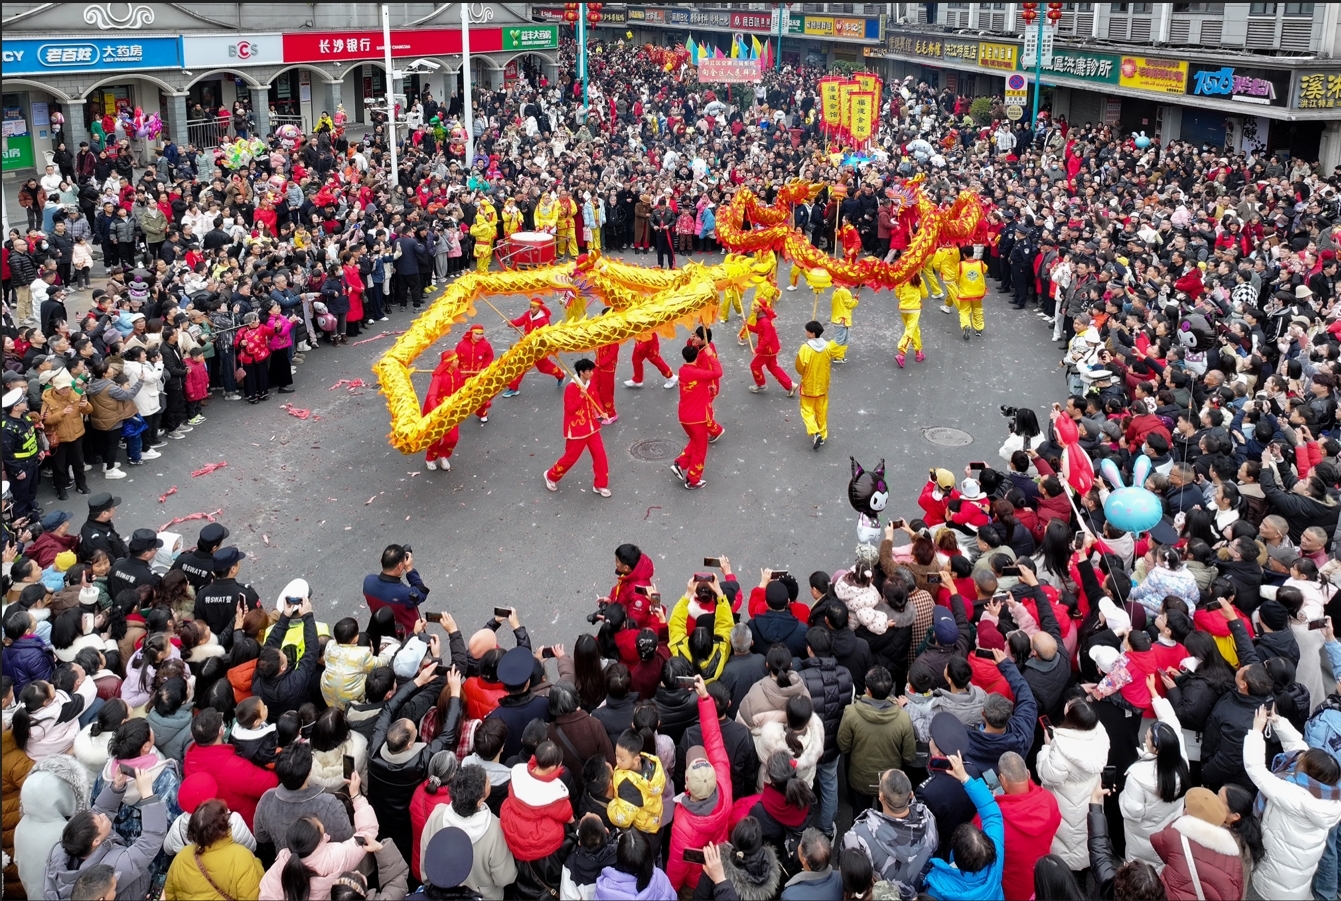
(530, 249)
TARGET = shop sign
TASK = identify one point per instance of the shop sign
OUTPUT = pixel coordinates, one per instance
(46, 57)
(321, 46)
(613, 17)
(677, 17)
(751, 21)
(1096, 67)
(527, 37)
(232, 50)
(653, 16)
(636, 13)
(876, 53)
(846, 29)
(1144, 73)
(550, 14)
(17, 153)
(911, 46)
(1268, 87)
(961, 50)
(1319, 90)
(1001, 57)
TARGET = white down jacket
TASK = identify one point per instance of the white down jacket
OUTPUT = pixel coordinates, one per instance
(1070, 768)
(1294, 824)
(1143, 811)
(772, 736)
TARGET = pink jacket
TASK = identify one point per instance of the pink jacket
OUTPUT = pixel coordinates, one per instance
(329, 860)
(283, 333)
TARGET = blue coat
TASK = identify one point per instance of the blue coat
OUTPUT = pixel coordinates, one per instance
(947, 881)
(823, 886)
(27, 660)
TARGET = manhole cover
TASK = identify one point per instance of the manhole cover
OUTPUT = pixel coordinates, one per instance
(654, 449)
(947, 437)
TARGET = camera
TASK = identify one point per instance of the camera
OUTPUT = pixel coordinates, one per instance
(596, 617)
(1009, 412)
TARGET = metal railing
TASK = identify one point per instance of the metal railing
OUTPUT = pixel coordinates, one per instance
(205, 133)
(276, 120)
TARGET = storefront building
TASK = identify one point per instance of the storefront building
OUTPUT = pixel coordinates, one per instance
(1216, 97)
(78, 62)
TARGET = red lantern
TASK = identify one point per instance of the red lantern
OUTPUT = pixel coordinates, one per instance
(1055, 12)
(594, 7)
(1029, 13)
(594, 17)
(570, 16)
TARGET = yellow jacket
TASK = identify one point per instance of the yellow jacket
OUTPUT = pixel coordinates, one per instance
(512, 222)
(910, 298)
(546, 214)
(232, 867)
(813, 365)
(484, 232)
(843, 305)
(972, 278)
(678, 628)
(650, 781)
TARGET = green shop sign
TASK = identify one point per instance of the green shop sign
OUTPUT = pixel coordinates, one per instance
(1100, 68)
(531, 37)
(18, 153)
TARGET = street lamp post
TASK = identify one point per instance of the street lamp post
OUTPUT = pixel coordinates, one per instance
(466, 104)
(390, 97)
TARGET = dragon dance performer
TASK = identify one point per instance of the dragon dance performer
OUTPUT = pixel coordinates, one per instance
(582, 431)
(447, 380)
(766, 351)
(485, 232)
(647, 348)
(813, 361)
(475, 353)
(603, 382)
(565, 243)
(696, 377)
(537, 317)
(840, 317)
(702, 339)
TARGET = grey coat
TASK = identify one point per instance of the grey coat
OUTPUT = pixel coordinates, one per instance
(131, 863)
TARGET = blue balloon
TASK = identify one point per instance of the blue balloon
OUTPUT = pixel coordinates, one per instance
(1133, 509)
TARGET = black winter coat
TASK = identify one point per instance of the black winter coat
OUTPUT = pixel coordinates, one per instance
(854, 654)
(678, 709)
(1299, 510)
(740, 751)
(288, 690)
(1193, 699)
(830, 688)
(1222, 740)
(778, 626)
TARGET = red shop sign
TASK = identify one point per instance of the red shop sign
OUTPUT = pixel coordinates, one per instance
(321, 46)
(750, 21)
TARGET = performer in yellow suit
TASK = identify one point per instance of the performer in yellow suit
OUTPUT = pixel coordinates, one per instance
(971, 284)
(840, 317)
(485, 232)
(946, 263)
(566, 233)
(512, 218)
(910, 308)
(547, 213)
(813, 361)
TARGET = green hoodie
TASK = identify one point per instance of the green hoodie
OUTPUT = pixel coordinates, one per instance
(876, 736)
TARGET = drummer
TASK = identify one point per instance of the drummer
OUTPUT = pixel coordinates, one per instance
(512, 218)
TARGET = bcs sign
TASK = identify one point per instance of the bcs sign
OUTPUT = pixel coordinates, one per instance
(232, 50)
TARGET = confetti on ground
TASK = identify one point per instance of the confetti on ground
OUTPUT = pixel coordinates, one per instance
(296, 411)
(648, 515)
(374, 338)
(190, 516)
(351, 384)
(167, 494)
(207, 469)
(370, 500)
(266, 539)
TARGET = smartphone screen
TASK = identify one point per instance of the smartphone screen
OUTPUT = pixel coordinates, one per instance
(939, 765)
(693, 855)
(1080, 541)
(440, 670)
(547, 653)
(702, 577)
(434, 617)
(778, 574)
(896, 523)
(349, 765)
(1315, 624)
(685, 681)
(127, 770)
(1010, 571)
(641, 589)
(502, 611)
(360, 840)
(715, 563)
(934, 579)
(1109, 777)
(984, 653)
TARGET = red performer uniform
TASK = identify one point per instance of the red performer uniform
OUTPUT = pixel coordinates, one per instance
(851, 242)
(447, 380)
(648, 348)
(603, 380)
(535, 318)
(582, 429)
(766, 352)
(474, 353)
(696, 381)
(709, 349)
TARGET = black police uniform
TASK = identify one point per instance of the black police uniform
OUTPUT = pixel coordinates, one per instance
(18, 439)
(216, 603)
(198, 566)
(130, 572)
(96, 535)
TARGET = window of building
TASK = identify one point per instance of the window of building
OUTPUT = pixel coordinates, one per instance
(1140, 9)
(1200, 9)
(1079, 7)
(1262, 9)
(1299, 9)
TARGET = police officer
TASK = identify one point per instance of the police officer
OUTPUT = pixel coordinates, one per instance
(98, 532)
(198, 563)
(216, 603)
(133, 571)
(1022, 265)
(21, 455)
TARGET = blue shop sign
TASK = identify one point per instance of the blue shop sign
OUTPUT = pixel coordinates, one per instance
(45, 57)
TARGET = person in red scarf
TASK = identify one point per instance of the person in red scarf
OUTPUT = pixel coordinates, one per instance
(537, 317)
(475, 353)
(447, 380)
(582, 416)
(767, 350)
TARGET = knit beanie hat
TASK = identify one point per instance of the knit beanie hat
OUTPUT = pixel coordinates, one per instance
(776, 595)
(65, 560)
(195, 790)
(990, 637)
(1274, 616)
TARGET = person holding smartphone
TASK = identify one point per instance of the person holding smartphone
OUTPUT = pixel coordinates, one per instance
(386, 589)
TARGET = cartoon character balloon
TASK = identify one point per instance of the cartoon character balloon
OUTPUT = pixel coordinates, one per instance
(1196, 333)
(1076, 466)
(1140, 139)
(289, 135)
(868, 493)
(1131, 508)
